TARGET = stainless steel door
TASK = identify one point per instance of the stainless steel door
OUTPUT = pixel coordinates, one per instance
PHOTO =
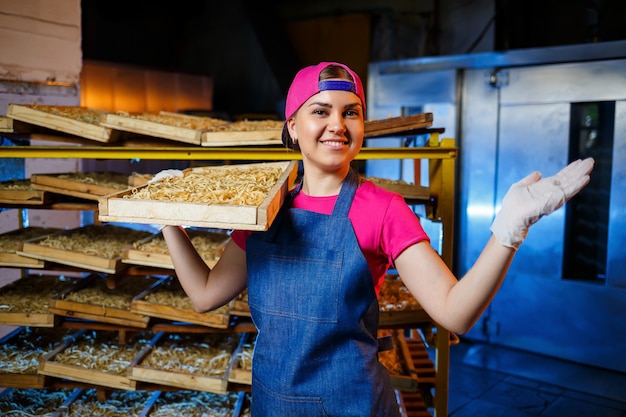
(514, 126)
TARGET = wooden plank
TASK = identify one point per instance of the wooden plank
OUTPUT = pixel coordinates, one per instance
(21, 192)
(45, 116)
(259, 137)
(388, 126)
(6, 124)
(172, 126)
(88, 185)
(116, 208)
(398, 362)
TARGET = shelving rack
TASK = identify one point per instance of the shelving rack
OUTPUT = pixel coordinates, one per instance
(440, 152)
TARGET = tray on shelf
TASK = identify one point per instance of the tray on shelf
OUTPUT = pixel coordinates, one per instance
(11, 242)
(166, 125)
(153, 250)
(239, 306)
(93, 299)
(78, 121)
(167, 300)
(245, 132)
(397, 306)
(241, 366)
(96, 357)
(194, 404)
(399, 124)
(92, 247)
(26, 301)
(21, 192)
(407, 190)
(398, 361)
(20, 354)
(240, 196)
(87, 185)
(197, 361)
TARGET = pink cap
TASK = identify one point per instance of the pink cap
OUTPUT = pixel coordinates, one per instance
(307, 83)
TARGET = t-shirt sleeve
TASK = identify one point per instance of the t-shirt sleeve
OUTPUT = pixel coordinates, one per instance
(401, 229)
(240, 237)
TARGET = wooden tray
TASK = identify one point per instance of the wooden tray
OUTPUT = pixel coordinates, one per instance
(239, 306)
(406, 190)
(26, 301)
(6, 125)
(12, 242)
(245, 132)
(116, 208)
(388, 126)
(153, 251)
(87, 185)
(403, 374)
(193, 403)
(397, 305)
(78, 121)
(101, 236)
(179, 308)
(166, 125)
(20, 192)
(241, 369)
(187, 373)
(20, 353)
(112, 305)
(86, 346)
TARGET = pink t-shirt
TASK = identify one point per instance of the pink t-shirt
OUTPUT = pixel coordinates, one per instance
(383, 223)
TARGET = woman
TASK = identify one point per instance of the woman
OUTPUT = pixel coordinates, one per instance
(314, 276)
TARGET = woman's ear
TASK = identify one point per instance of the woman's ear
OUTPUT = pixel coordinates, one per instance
(291, 127)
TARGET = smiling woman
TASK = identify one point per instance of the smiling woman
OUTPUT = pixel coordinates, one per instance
(314, 277)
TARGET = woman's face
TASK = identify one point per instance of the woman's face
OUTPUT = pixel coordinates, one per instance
(329, 129)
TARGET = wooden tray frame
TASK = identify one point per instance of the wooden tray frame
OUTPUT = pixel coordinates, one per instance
(16, 380)
(160, 260)
(89, 376)
(216, 385)
(253, 137)
(407, 381)
(30, 114)
(115, 208)
(25, 318)
(237, 375)
(66, 186)
(98, 313)
(31, 248)
(30, 197)
(14, 259)
(155, 129)
(209, 319)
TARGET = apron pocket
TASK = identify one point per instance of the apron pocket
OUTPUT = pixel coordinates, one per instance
(266, 402)
(296, 282)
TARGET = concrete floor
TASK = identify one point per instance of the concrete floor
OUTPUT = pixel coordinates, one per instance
(492, 381)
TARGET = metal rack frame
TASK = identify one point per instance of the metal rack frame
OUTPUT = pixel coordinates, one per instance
(441, 154)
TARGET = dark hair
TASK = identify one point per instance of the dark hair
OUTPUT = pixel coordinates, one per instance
(328, 73)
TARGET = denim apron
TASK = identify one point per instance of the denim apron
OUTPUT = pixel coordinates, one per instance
(313, 302)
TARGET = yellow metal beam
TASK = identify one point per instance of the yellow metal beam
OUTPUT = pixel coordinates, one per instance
(233, 154)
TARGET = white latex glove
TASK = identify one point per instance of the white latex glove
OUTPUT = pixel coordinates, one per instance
(532, 197)
(166, 174)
